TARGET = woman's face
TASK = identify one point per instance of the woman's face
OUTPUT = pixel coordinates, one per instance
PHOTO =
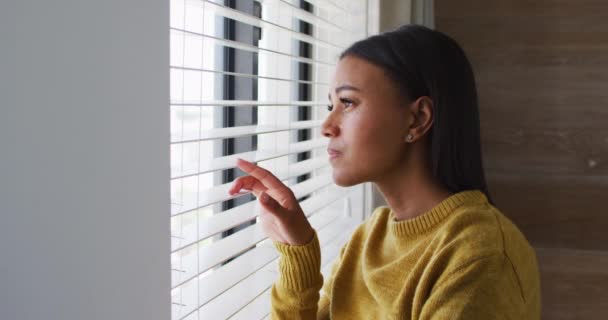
(367, 125)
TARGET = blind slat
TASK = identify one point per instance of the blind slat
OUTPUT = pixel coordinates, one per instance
(194, 200)
(247, 75)
(251, 48)
(247, 290)
(211, 255)
(242, 54)
(255, 21)
(259, 307)
(227, 162)
(246, 212)
(222, 279)
(220, 193)
(232, 132)
(248, 103)
(313, 19)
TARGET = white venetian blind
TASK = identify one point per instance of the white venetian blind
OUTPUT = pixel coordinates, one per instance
(250, 79)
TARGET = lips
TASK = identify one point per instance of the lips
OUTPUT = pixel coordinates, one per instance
(333, 153)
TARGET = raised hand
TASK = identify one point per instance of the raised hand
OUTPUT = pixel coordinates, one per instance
(281, 218)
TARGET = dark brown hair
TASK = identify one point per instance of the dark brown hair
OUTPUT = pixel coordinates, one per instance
(425, 62)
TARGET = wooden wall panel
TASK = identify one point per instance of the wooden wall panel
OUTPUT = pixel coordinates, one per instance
(542, 76)
(574, 284)
(549, 151)
(556, 211)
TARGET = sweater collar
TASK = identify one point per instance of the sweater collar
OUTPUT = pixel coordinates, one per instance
(429, 219)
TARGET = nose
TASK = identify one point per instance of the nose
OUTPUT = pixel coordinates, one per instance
(329, 128)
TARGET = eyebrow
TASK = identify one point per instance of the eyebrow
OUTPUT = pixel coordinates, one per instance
(343, 87)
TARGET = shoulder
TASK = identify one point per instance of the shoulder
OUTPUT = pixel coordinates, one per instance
(473, 230)
(482, 229)
(482, 234)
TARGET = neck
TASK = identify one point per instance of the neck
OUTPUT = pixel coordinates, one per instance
(410, 189)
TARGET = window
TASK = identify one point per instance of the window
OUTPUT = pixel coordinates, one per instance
(250, 79)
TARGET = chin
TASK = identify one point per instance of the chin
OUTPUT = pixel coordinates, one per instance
(345, 180)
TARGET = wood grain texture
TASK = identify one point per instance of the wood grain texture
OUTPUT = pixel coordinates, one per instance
(574, 284)
(554, 211)
(516, 8)
(542, 76)
(536, 150)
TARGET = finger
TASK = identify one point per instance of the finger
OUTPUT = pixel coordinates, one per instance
(250, 183)
(247, 182)
(263, 175)
(276, 189)
(257, 188)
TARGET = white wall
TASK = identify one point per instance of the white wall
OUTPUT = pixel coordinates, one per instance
(84, 164)
(394, 13)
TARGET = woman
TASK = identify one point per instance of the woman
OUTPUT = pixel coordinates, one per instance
(404, 116)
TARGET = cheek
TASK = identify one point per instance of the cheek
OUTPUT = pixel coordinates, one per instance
(371, 144)
(370, 135)
(370, 148)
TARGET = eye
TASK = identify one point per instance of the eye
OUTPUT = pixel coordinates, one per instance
(346, 102)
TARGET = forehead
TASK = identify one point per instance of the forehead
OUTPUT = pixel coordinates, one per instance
(359, 73)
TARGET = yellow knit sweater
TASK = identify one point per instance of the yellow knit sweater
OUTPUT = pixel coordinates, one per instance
(461, 260)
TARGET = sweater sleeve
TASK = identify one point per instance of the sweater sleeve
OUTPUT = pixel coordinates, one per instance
(295, 294)
(324, 311)
(482, 288)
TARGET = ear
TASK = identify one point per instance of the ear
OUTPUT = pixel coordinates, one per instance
(422, 111)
